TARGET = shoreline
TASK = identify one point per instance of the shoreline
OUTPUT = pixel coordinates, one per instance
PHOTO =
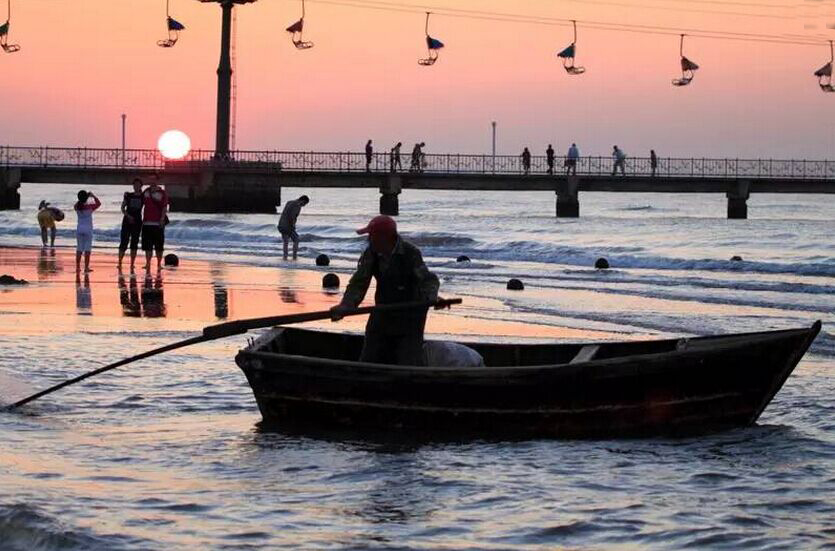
(199, 292)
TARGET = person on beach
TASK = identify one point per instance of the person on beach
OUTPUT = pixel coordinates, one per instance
(571, 160)
(47, 216)
(369, 154)
(395, 157)
(84, 230)
(397, 266)
(154, 218)
(526, 161)
(620, 161)
(653, 162)
(417, 158)
(549, 158)
(287, 223)
(131, 207)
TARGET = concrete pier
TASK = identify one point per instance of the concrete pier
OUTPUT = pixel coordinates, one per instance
(9, 185)
(389, 192)
(738, 200)
(568, 201)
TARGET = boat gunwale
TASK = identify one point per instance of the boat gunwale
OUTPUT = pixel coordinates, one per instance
(565, 368)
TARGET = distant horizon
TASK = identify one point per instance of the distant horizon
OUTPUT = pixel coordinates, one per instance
(361, 80)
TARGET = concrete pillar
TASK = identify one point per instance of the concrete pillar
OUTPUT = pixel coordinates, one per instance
(224, 83)
(568, 203)
(389, 190)
(737, 200)
(9, 185)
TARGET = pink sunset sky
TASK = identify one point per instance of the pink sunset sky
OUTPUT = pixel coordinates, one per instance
(85, 62)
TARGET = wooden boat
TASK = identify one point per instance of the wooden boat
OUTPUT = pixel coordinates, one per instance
(660, 387)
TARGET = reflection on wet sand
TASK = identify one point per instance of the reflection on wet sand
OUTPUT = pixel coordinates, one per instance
(83, 295)
(288, 295)
(129, 297)
(48, 264)
(219, 290)
(153, 299)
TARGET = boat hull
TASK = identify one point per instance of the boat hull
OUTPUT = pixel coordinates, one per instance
(673, 387)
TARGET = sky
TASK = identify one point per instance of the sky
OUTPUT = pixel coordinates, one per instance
(85, 62)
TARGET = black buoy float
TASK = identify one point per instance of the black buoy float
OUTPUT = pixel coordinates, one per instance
(171, 259)
(601, 264)
(323, 260)
(463, 258)
(736, 258)
(515, 285)
(330, 281)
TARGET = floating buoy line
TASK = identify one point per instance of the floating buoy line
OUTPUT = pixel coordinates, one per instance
(567, 54)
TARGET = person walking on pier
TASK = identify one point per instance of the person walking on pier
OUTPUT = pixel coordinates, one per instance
(571, 160)
(84, 229)
(287, 223)
(131, 207)
(417, 158)
(154, 218)
(395, 158)
(369, 154)
(620, 161)
(653, 162)
(402, 276)
(526, 161)
(549, 157)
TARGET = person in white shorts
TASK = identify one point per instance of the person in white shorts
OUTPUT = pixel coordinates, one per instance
(84, 230)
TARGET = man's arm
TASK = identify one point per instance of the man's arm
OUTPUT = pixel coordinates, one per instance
(358, 285)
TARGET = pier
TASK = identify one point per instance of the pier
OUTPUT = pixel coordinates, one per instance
(251, 181)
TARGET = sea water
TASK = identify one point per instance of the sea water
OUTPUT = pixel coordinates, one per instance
(170, 456)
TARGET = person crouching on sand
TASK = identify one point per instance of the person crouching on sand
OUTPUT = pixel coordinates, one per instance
(84, 229)
(47, 216)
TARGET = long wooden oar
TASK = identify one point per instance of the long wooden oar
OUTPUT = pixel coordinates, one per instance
(237, 327)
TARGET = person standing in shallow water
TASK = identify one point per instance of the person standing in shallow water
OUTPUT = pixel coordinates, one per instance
(131, 207)
(287, 223)
(84, 229)
(402, 276)
(154, 218)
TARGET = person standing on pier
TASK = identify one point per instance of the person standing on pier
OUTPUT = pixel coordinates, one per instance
(620, 161)
(287, 223)
(154, 218)
(417, 158)
(401, 275)
(84, 229)
(131, 207)
(571, 160)
(395, 157)
(549, 157)
(653, 162)
(369, 154)
(526, 161)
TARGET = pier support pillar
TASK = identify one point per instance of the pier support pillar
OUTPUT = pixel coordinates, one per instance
(737, 200)
(9, 185)
(568, 202)
(210, 191)
(389, 190)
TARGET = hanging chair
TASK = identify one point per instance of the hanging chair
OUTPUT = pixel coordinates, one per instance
(4, 34)
(824, 74)
(296, 30)
(688, 68)
(567, 56)
(174, 27)
(432, 46)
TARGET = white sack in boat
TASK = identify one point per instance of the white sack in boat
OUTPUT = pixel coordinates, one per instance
(451, 354)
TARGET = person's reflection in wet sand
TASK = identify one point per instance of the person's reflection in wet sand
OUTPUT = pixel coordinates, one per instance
(221, 295)
(83, 295)
(153, 299)
(48, 264)
(288, 295)
(129, 297)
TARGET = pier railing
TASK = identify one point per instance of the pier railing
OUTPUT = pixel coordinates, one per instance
(341, 162)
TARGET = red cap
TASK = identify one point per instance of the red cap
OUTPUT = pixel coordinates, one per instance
(380, 225)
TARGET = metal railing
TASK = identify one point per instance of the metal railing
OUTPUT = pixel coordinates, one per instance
(342, 162)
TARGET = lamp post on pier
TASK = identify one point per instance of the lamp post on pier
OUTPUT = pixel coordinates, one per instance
(124, 119)
(493, 124)
(224, 77)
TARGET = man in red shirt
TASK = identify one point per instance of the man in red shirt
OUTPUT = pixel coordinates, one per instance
(154, 218)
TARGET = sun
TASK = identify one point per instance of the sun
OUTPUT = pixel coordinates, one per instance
(174, 144)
